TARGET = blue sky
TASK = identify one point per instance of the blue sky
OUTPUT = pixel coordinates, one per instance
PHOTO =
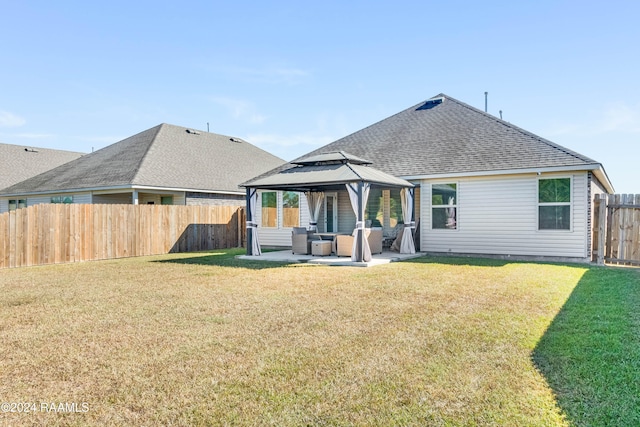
(292, 76)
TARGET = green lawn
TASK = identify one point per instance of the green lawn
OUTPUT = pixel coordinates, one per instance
(205, 339)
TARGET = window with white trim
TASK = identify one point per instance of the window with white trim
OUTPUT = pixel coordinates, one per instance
(554, 204)
(290, 209)
(270, 209)
(444, 206)
(62, 199)
(17, 204)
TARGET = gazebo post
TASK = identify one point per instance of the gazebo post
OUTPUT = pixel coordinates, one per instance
(249, 221)
(412, 192)
(249, 234)
(360, 226)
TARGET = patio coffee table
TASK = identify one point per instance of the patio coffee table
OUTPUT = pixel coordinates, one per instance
(321, 247)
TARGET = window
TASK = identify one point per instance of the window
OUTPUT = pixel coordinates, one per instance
(166, 200)
(290, 209)
(395, 208)
(444, 206)
(17, 204)
(554, 204)
(62, 199)
(374, 211)
(270, 209)
(382, 206)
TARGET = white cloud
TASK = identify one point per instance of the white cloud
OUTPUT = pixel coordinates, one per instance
(240, 110)
(10, 120)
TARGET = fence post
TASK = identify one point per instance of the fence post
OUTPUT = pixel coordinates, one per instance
(635, 252)
(609, 220)
(602, 221)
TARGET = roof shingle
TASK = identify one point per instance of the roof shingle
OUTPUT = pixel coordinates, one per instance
(164, 156)
(19, 162)
(451, 137)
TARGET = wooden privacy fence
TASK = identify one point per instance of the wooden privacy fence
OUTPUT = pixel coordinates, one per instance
(59, 233)
(616, 229)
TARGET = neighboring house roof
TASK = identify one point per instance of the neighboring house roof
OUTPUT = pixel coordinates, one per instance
(19, 162)
(165, 156)
(443, 136)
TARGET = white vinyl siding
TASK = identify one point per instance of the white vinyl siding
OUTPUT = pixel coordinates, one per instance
(4, 205)
(156, 198)
(498, 215)
(279, 236)
(211, 199)
(146, 199)
(113, 199)
(180, 199)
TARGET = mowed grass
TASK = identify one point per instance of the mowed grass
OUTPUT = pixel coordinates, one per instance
(204, 339)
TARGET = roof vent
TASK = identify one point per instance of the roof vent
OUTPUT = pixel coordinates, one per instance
(431, 103)
(30, 150)
(193, 132)
(235, 140)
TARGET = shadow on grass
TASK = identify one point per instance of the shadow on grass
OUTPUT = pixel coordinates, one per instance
(590, 354)
(486, 261)
(457, 260)
(223, 258)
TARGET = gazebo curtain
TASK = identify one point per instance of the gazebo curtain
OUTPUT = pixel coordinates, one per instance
(359, 194)
(252, 225)
(406, 244)
(314, 200)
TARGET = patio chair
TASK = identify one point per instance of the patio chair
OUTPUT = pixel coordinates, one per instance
(396, 237)
(344, 243)
(301, 241)
(375, 240)
(395, 247)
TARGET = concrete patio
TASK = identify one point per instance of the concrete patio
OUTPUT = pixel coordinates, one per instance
(286, 256)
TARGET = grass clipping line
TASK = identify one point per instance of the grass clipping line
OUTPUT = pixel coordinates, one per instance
(206, 339)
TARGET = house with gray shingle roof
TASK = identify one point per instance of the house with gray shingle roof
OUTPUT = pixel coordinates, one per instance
(483, 185)
(166, 164)
(19, 162)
